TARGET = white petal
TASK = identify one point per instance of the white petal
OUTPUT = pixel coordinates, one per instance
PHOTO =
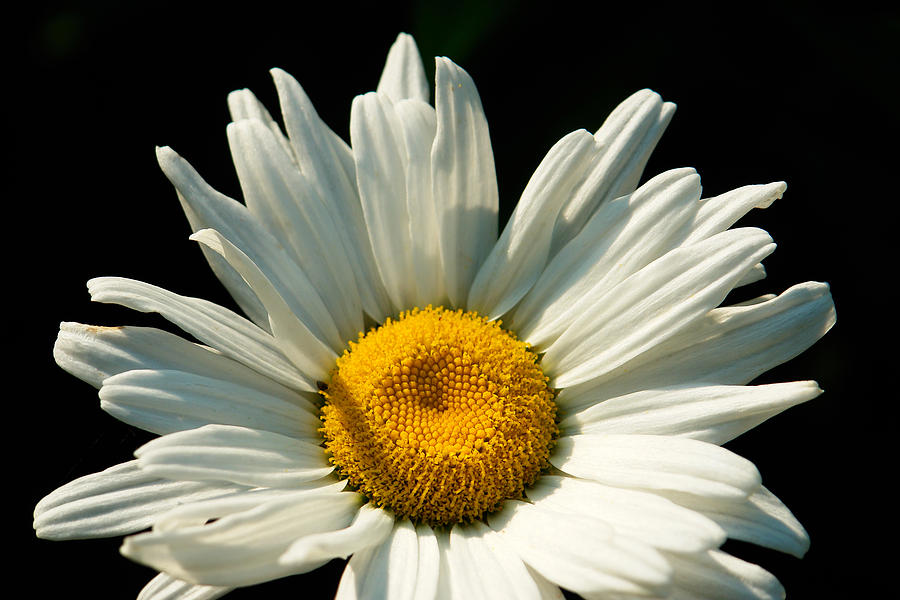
(622, 237)
(238, 454)
(483, 565)
(579, 552)
(730, 345)
(327, 164)
(120, 500)
(404, 73)
(94, 354)
(246, 546)
(626, 140)
(369, 528)
(428, 573)
(165, 587)
(378, 149)
(227, 332)
(761, 519)
(711, 413)
(653, 304)
(657, 463)
(464, 181)
(243, 104)
(163, 402)
(643, 516)
(417, 125)
(717, 575)
(301, 345)
(721, 212)
(198, 513)
(388, 570)
(520, 254)
(279, 196)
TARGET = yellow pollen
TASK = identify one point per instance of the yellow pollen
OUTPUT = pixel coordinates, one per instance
(439, 416)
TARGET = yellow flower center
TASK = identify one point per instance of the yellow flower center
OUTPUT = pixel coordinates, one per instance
(439, 416)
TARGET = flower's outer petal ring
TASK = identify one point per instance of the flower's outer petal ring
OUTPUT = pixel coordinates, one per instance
(327, 163)
(652, 462)
(653, 304)
(163, 402)
(227, 332)
(581, 553)
(729, 345)
(716, 575)
(519, 256)
(227, 453)
(300, 344)
(278, 195)
(404, 74)
(249, 544)
(118, 501)
(463, 179)
(166, 587)
(710, 413)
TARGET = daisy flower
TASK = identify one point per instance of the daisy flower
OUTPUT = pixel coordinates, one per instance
(464, 415)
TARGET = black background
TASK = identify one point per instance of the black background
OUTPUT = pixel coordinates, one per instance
(766, 92)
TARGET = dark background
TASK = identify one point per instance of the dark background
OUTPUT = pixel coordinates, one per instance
(783, 91)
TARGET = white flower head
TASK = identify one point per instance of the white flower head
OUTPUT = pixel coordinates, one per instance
(463, 414)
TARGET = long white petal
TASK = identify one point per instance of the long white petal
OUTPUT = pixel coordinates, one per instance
(327, 164)
(729, 345)
(625, 142)
(653, 304)
(248, 544)
(761, 519)
(622, 237)
(404, 74)
(302, 346)
(418, 124)
(711, 413)
(579, 552)
(165, 401)
(118, 501)
(378, 149)
(518, 257)
(279, 196)
(237, 454)
(631, 513)
(715, 575)
(166, 587)
(721, 212)
(227, 332)
(388, 570)
(464, 181)
(243, 104)
(483, 566)
(653, 462)
(198, 513)
(370, 526)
